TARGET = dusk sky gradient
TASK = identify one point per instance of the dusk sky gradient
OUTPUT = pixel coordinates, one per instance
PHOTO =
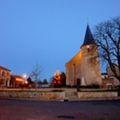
(47, 32)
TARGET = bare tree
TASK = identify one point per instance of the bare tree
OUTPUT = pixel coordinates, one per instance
(36, 73)
(107, 36)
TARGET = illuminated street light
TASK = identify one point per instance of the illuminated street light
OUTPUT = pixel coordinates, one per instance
(24, 76)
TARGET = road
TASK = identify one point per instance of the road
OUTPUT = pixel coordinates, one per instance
(43, 110)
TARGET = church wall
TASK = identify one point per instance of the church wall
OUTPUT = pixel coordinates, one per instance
(84, 66)
(90, 65)
(73, 70)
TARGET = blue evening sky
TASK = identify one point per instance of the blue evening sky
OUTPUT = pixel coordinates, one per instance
(47, 32)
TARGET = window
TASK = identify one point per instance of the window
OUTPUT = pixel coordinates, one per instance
(3, 73)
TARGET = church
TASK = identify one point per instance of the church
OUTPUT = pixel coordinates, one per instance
(84, 67)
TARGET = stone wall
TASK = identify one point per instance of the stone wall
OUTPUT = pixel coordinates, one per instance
(55, 94)
(86, 95)
(33, 94)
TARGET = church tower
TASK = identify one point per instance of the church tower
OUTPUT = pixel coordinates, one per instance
(90, 64)
(84, 67)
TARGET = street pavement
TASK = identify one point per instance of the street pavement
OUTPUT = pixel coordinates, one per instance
(11, 109)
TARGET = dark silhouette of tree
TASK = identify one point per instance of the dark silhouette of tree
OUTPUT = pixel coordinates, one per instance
(45, 81)
(40, 82)
(107, 36)
(30, 80)
(63, 79)
(31, 83)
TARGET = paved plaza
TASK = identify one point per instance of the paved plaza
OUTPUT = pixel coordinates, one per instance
(43, 110)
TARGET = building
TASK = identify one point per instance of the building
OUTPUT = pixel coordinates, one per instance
(18, 81)
(5, 76)
(115, 82)
(109, 80)
(84, 67)
(106, 82)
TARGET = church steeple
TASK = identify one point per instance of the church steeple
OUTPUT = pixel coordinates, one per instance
(88, 37)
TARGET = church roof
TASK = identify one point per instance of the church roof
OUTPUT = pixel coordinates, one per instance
(88, 37)
(77, 57)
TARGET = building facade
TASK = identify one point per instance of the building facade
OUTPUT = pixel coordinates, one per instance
(18, 81)
(111, 75)
(5, 76)
(84, 67)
